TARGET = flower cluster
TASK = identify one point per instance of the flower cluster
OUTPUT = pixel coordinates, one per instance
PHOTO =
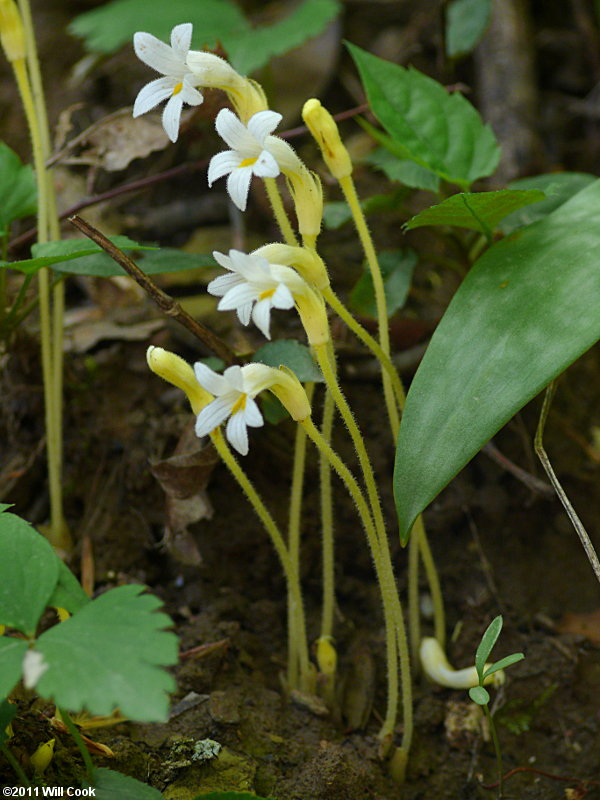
(274, 276)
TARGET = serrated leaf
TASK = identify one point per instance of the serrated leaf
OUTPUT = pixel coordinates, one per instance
(8, 711)
(466, 21)
(107, 28)
(12, 652)
(558, 188)
(68, 592)
(18, 192)
(254, 48)
(503, 663)
(54, 254)
(397, 267)
(110, 655)
(292, 354)
(28, 574)
(526, 310)
(480, 211)
(438, 130)
(479, 695)
(402, 170)
(486, 645)
(111, 785)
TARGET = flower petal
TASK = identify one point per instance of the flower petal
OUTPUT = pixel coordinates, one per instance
(252, 415)
(244, 312)
(157, 54)
(237, 433)
(181, 39)
(238, 186)
(209, 379)
(221, 285)
(152, 94)
(222, 164)
(189, 93)
(172, 115)
(261, 316)
(250, 267)
(235, 133)
(238, 296)
(283, 298)
(266, 166)
(223, 260)
(214, 414)
(235, 378)
(263, 123)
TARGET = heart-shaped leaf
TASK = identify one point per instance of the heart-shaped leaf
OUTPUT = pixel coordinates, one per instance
(439, 130)
(527, 309)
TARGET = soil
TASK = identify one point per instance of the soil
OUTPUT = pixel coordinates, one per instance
(501, 547)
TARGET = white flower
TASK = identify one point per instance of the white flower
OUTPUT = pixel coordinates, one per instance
(34, 666)
(250, 154)
(253, 286)
(234, 392)
(177, 85)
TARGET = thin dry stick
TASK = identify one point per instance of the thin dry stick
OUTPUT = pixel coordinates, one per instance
(572, 514)
(164, 301)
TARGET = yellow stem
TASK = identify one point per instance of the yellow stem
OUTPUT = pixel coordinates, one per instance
(294, 541)
(281, 217)
(327, 522)
(292, 577)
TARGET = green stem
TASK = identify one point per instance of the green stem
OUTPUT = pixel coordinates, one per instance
(327, 522)
(349, 190)
(281, 217)
(72, 728)
(14, 764)
(387, 586)
(496, 742)
(383, 358)
(294, 540)
(293, 579)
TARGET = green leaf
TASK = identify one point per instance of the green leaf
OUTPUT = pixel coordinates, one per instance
(53, 254)
(111, 785)
(397, 267)
(110, 654)
(153, 261)
(526, 310)
(558, 188)
(486, 645)
(290, 353)
(440, 131)
(503, 663)
(67, 592)
(481, 211)
(12, 652)
(466, 21)
(107, 28)
(28, 574)
(8, 711)
(479, 695)
(401, 169)
(18, 192)
(252, 49)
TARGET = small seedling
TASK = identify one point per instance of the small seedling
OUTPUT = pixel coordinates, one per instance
(479, 694)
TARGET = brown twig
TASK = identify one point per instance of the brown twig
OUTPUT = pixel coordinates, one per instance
(581, 782)
(164, 301)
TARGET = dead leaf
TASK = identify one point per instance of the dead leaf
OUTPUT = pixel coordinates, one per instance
(116, 140)
(86, 335)
(587, 625)
(184, 477)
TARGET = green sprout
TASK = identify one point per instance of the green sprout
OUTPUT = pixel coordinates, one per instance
(479, 694)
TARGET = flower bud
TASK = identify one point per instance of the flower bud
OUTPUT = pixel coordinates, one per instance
(325, 131)
(11, 31)
(175, 370)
